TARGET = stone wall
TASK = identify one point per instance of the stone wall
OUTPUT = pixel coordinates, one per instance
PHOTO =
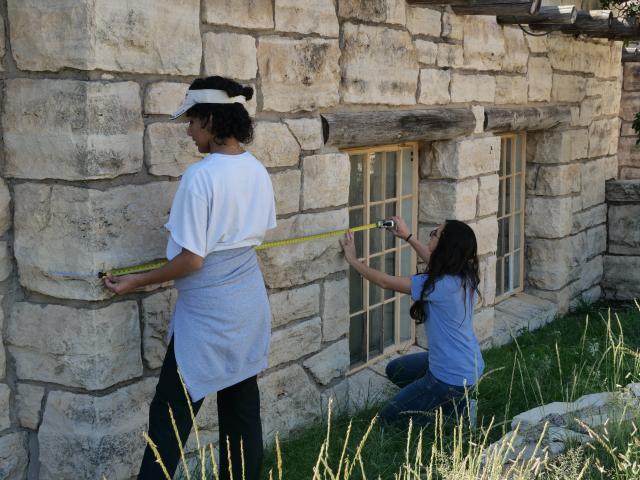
(91, 163)
(628, 151)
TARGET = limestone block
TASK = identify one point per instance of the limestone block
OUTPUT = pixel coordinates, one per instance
(164, 98)
(488, 280)
(5, 261)
(308, 132)
(107, 430)
(440, 200)
(308, 261)
(434, 86)
(553, 180)
(478, 112)
(14, 456)
(335, 309)
(452, 24)
(483, 326)
(157, 310)
(549, 261)
(511, 89)
(379, 65)
(424, 21)
(465, 158)
(3, 360)
(92, 349)
(611, 96)
(484, 44)
(595, 241)
(450, 55)
(29, 405)
(296, 341)
(628, 152)
(603, 137)
(548, 217)
(379, 11)
(567, 88)
(330, 363)
(289, 305)
(623, 191)
(307, 17)
(628, 173)
(207, 423)
(288, 401)
(537, 44)
(624, 229)
(87, 231)
(540, 79)
(298, 75)
(286, 187)
(629, 105)
(473, 88)
(86, 130)
(368, 388)
(2, 46)
(621, 280)
(488, 193)
(169, 150)
(587, 275)
(631, 76)
(5, 396)
(589, 109)
(326, 180)
(5, 213)
(486, 231)
(589, 218)
(427, 51)
(517, 52)
(593, 183)
(626, 129)
(521, 312)
(249, 14)
(338, 395)
(231, 55)
(122, 35)
(274, 145)
(557, 147)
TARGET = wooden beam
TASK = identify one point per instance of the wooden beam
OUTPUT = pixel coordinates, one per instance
(513, 119)
(625, 28)
(486, 7)
(562, 15)
(630, 55)
(357, 129)
(592, 21)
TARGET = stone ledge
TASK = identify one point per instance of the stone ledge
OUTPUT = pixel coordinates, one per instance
(518, 313)
(624, 191)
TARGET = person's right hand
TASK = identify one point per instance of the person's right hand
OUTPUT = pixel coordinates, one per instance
(401, 229)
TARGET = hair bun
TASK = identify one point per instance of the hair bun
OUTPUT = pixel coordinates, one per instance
(247, 92)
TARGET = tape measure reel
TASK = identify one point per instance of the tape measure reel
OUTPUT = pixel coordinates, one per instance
(145, 267)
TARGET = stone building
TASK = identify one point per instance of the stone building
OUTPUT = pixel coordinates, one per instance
(363, 109)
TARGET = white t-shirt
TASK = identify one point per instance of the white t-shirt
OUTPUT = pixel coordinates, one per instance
(223, 202)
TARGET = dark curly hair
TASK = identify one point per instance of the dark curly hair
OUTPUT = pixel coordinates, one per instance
(457, 255)
(229, 119)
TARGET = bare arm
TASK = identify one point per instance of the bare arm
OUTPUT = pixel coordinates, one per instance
(182, 265)
(401, 230)
(383, 280)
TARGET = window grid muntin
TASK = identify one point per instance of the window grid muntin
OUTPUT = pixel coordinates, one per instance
(514, 251)
(398, 248)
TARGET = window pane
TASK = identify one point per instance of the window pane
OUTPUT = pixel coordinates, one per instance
(518, 191)
(375, 177)
(405, 265)
(356, 185)
(389, 268)
(375, 234)
(407, 213)
(503, 156)
(508, 156)
(501, 199)
(407, 172)
(499, 289)
(356, 339)
(405, 319)
(503, 234)
(519, 140)
(356, 297)
(356, 218)
(375, 292)
(375, 331)
(508, 275)
(388, 322)
(391, 175)
(516, 269)
(389, 238)
(507, 196)
(517, 238)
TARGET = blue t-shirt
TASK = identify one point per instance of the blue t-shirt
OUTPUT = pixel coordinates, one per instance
(454, 353)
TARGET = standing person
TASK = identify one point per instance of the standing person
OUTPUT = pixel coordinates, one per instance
(221, 325)
(444, 299)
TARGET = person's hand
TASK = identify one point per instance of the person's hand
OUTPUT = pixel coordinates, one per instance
(121, 285)
(400, 229)
(349, 247)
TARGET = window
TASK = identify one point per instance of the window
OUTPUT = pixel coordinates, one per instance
(510, 251)
(384, 182)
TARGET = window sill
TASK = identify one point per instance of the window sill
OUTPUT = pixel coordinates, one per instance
(518, 313)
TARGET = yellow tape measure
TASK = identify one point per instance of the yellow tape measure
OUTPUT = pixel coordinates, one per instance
(145, 267)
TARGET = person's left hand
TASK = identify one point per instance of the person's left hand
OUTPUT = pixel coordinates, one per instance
(349, 247)
(121, 285)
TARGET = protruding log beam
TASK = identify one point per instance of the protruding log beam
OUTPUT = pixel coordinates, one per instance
(621, 29)
(563, 15)
(592, 21)
(630, 55)
(356, 129)
(512, 119)
(486, 7)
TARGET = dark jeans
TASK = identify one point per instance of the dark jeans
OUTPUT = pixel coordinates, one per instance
(421, 393)
(238, 417)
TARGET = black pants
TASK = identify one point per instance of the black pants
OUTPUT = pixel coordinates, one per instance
(238, 418)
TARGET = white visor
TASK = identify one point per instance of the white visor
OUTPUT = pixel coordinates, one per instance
(195, 97)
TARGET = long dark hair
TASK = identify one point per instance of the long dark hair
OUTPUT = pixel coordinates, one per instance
(457, 255)
(229, 119)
